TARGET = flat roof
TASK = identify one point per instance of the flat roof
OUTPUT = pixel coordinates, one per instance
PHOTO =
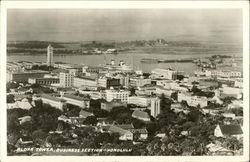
(51, 97)
(75, 97)
(32, 71)
(87, 77)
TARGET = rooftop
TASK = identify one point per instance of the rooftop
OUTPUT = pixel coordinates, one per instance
(93, 78)
(125, 126)
(141, 131)
(114, 128)
(85, 114)
(49, 97)
(231, 129)
(75, 97)
(140, 114)
(32, 71)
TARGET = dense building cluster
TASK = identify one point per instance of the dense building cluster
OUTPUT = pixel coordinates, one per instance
(159, 113)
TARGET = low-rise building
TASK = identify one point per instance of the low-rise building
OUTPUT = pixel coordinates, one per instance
(192, 100)
(229, 115)
(125, 134)
(143, 133)
(146, 90)
(167, 92)
(82, 102)
(106, 82)
(124, 80)
(139, 100)
(231, 91)
(238, 83)
(43, 81)
(85, 82)
(23, 104)
(64, 119)
(85, 114)
(141, 115)
(53, 101)
(228, 130)
(108, 106)
(112, 94)
(226, 74)
(164, 74)
(24, 119)
(139, 82)
(25, 75)
(235, 104)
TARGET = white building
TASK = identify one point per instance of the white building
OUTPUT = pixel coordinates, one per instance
(141, 115)
(238, 83)
(117, 94)
(66, 80)
(161, 90)
(50, 55)
(139, 100)
(124, 80)
(24, 104)
(237, 92)
(76, 100)
(139, 82)
(236, 104)
(192, 100)
(224, 74)
(170, 84)
(85, 82)
(53, 101)
(146, 90)
(164, 73)
(155, 107)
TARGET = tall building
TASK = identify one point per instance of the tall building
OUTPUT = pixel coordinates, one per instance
(155, 107)
(66, 79)
(50, 55)
(117, 94)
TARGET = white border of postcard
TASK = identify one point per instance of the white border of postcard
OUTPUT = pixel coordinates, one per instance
(244, 5)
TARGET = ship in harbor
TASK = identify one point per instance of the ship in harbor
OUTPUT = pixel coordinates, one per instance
(149, 60)
(155, 61)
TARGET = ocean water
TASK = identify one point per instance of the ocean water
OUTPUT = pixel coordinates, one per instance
(132, 59)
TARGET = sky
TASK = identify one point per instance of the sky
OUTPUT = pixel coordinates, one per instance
(124, 24)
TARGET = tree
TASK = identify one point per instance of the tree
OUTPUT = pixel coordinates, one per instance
(228, 100)
(26, 127)
(194, 115)
(138, 123)
(165, 103)
(95, 104)
(180, 77)
(99, 113)
(132, 91)
(12, 85)
(39, 136)
(10, 98)
(73, 110)
(174, 95)
(184, 103)
(90, 120)
(121, 114)
(102, 138)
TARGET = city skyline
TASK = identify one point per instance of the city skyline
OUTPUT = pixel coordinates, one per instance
(125, 24)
